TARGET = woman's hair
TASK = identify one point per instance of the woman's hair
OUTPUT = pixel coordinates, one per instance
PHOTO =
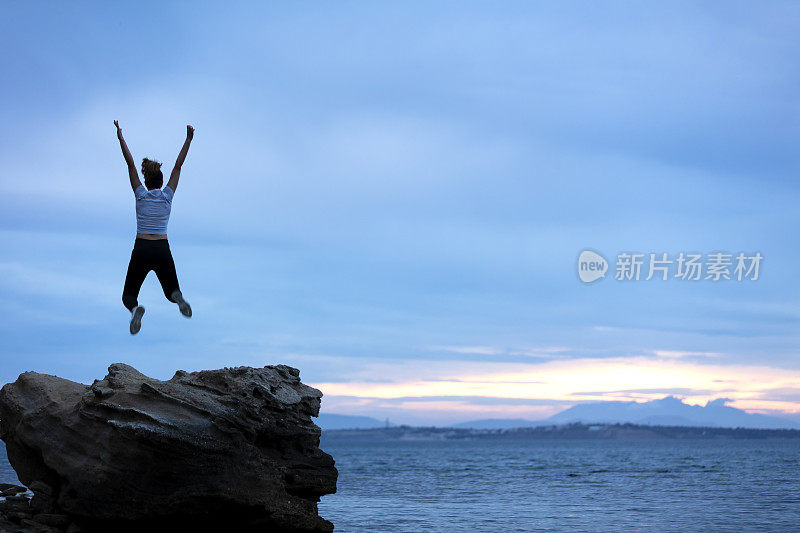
(153, 178)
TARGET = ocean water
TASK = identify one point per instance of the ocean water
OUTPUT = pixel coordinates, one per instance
(7, 474)
(570, 485)
(575, 485)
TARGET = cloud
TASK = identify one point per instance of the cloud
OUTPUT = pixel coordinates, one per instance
(561, 381)
(679, 354)
(782, 394)
(648, 393)
(471, 400)
(27, 279)
(480, 350)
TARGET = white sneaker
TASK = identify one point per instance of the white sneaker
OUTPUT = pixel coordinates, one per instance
(183, 305)
(136, 319)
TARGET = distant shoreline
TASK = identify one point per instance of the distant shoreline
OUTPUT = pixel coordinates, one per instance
(566, 431)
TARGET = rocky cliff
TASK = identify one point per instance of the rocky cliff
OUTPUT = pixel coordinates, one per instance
(221, 450)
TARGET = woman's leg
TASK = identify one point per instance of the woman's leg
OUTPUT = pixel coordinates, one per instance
(165, 270)
(168, 277)
(137, 271)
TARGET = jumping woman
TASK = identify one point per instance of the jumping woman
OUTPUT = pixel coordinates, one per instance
(151, 249)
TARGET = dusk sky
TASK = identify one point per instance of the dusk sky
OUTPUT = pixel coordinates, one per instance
(392, 197)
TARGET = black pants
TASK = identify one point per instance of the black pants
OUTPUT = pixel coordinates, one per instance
(149, 255)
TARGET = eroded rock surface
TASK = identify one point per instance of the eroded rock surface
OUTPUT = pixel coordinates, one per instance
(220, 450)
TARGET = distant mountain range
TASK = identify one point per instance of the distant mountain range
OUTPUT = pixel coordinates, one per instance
(565, 431)
(334, 421)
(669, 411)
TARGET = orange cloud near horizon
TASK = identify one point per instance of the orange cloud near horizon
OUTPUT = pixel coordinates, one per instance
(564, 381)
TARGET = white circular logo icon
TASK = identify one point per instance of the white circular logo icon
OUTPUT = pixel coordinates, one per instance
(591, 266)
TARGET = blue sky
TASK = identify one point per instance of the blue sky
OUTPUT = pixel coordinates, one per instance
(392, 197)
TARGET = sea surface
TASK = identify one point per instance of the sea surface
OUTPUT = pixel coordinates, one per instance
(570, 485)
(7, 474)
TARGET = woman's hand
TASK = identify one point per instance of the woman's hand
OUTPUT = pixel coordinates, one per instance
(132, 173)
(176, 171)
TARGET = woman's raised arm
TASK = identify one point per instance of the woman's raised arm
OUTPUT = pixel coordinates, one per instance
(132, 174)
(176, 171)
